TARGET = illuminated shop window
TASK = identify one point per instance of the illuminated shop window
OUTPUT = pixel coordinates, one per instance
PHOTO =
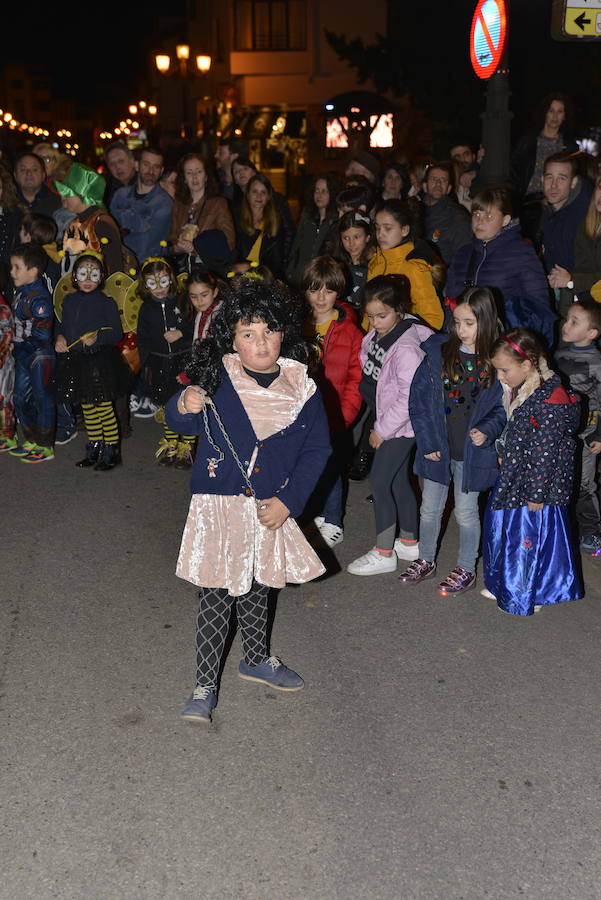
(382, 132)
(335, 132)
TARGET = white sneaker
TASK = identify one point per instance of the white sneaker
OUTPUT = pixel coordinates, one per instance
(134, 404)
(332, 534)
(372, 563)
(486, 593)
(146, 410)
(406, 551)
(319, 520)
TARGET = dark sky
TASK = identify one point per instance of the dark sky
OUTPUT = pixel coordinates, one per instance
(85, 45)
(95, 50)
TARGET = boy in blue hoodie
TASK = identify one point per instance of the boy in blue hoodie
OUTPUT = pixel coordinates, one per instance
(34, 355)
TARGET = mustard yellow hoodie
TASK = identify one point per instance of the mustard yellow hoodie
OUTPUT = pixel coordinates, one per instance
(419, 272)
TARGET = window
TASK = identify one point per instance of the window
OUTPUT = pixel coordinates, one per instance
(270, 25)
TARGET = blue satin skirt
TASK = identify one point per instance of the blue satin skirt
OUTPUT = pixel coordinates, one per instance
(528, 558)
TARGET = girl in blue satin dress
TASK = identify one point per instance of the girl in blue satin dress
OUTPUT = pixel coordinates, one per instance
(527, 542)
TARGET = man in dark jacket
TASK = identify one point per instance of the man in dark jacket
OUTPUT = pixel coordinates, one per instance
(30, 174)
(446, 223)
(567, 197)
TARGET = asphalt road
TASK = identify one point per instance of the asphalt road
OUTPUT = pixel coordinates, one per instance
(440, 749)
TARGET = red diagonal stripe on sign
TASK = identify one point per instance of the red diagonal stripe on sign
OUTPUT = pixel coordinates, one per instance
(486, 32)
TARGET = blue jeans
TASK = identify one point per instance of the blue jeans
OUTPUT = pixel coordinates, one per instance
(35, 406)
(467, 514)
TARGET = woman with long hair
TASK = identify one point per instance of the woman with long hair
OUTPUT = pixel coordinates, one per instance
(259, 232)
(551, 134)
(316, 221)
(587, 248)
(197, 207)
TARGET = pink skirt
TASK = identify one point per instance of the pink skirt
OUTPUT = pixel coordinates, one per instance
(224, 545)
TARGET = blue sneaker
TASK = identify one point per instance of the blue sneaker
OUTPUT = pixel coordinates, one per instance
(272, 672)
(199, 707)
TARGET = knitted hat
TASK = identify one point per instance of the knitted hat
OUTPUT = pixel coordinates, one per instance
(83, 182)
(368, 161)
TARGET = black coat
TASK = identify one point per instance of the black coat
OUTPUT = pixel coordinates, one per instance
(523, 161)
(273, 249)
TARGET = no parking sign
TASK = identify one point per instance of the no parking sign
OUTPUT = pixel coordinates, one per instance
(487, 37)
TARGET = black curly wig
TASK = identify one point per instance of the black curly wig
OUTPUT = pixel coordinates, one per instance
(254, 301)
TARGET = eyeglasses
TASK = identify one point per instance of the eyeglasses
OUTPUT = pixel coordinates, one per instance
(480, 214)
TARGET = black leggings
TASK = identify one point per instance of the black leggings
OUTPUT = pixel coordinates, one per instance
(212, 626)
(394, 499)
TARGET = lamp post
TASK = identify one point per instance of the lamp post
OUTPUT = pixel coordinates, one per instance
(186, 72)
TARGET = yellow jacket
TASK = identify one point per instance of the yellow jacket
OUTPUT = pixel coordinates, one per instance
(425, 302)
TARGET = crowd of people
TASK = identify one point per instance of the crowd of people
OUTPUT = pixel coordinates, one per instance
(414, 322)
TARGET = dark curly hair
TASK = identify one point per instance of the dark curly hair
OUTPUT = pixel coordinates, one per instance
(253, 301)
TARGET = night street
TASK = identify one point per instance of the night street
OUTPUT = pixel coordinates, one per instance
(440, 750)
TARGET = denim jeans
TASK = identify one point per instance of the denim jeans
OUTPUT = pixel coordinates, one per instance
(467, 514)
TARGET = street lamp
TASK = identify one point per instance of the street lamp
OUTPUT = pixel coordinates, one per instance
(162, 62)
(186, 73)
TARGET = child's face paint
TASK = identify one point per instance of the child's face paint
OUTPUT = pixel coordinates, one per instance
(511, 372)
(257, 346)
(158, 284)
(88, 277)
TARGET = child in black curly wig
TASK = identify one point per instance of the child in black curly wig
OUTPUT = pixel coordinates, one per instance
(262, 445)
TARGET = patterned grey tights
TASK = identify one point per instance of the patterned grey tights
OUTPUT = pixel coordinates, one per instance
(212, 626)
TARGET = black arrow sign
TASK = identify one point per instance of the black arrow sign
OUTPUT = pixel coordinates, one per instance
(581, 21)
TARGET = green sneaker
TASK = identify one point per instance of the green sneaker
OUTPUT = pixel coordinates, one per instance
(7, 443)
(23, 449)
(38, 455)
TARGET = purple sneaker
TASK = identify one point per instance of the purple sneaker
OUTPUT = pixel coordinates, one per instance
(417, 571)
(456, 582)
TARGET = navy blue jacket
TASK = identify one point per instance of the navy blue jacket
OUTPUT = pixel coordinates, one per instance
(90, 312)
(427, 414)
(288, 463)
(538, 456)
(509, 264)
(559, 228)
